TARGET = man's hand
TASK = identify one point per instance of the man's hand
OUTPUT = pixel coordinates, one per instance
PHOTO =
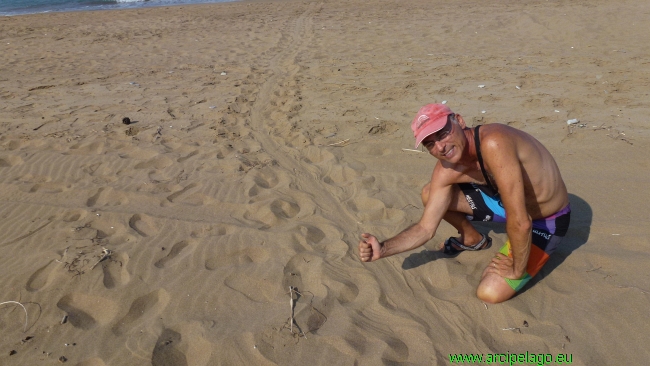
(503, 266)
(369, 248)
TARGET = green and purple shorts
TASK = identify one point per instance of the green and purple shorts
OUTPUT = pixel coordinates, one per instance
(547, 232)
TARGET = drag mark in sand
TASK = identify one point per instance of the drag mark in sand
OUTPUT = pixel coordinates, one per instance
(50, 220)
(273, 101)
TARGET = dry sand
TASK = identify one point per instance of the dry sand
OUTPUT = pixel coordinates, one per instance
(268, 136)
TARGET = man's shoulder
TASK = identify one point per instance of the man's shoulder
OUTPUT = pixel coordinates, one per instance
(447, 174)
(497, 129)
(498, 137)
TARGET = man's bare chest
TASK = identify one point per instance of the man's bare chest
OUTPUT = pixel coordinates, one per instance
(468, 174)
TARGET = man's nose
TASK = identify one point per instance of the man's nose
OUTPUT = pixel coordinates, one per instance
(439, 145)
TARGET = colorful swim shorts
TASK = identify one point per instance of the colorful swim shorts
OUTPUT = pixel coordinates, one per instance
(547, 232)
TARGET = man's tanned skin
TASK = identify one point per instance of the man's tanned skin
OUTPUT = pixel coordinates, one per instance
(529, 183)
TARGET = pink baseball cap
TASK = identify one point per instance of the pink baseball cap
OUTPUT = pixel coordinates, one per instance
(430, 119)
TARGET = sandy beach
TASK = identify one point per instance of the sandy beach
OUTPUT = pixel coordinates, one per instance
(265, 137)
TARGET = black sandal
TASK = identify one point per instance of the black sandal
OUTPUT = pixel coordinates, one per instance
(485, 243)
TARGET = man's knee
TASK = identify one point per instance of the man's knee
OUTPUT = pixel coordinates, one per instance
(494, 289)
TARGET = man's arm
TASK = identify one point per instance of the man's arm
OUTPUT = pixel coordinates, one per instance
(501, 157)
(371, 249)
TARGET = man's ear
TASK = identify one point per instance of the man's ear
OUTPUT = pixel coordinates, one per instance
(461, 121)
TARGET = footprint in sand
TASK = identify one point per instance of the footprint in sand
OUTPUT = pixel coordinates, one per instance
(184, 197)
(214, 230)
(90, 169)
(266, 178)
(284, 209)
(339, 174)
(14, 144)
(372, 209)
(86, 311)
(396, 350)
(274, 213)
(248, 255)
(41, 277)
(166, 351)
(182, 159)
(142, 309)
(159, 162)
(239, 107)
(315, 155)
(263, 180)
(183, 346)
(115, 273)
(7, 161)
(312, 234)
(367, 208)
(107, 196)
(143, 225)
(95, 147)
(74, 215)
(347, 291)
(344, 287)
(173, 256)
(95, 361)
(304, 270)
(49, 188)
(305, 236)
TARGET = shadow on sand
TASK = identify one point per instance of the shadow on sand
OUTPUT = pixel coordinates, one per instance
(578, 234)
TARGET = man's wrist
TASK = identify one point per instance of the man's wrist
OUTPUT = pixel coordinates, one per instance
(382, 248)
(519, 274)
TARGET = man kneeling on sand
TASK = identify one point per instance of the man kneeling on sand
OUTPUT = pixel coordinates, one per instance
(486, 173)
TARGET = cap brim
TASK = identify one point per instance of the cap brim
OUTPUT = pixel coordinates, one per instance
(428, 132)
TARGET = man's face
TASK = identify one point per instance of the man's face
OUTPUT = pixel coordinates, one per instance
(446, 143)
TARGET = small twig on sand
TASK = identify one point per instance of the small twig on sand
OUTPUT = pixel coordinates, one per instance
(65, 252)
(105, 254)
(634, 287)
(291, 303)
(340, 143)
(37, 128)
(411, 150)
(23, 306)
(517, 329)
(158, 134)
